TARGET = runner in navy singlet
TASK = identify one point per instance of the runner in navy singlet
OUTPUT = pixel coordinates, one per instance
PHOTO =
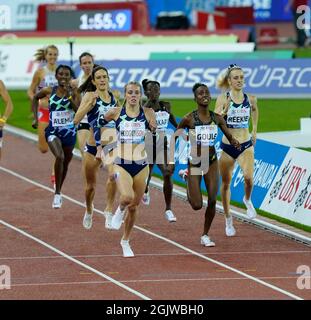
(60, 133)
(132, 122)
(237, 108)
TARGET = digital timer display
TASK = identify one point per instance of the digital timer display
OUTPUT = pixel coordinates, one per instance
(90, 20)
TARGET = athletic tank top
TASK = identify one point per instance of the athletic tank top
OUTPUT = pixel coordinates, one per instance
(132, 130)
(49, 79)
(100, 109)
(61, 113)
(238, 115)
(162, 117)
(205, 133)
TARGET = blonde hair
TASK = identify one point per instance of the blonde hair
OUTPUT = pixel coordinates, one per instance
(41, 53)
(136, 83)
(223, 80)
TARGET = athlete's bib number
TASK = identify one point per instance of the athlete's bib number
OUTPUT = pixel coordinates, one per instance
(238, 117)
(132, 132)
(162, 118)
(206, 135)
(62, 118)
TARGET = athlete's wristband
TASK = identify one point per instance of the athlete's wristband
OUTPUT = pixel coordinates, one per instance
(3, 120)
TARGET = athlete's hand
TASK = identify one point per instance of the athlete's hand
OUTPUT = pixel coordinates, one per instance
(254, 138)
(69, 90)
(226, 106)
(235, 143)
(35, 124)
(99, 154)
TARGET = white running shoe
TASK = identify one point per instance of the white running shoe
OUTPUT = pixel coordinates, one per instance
(169, 215)
(57, 201)
(108, 218)
(127, 251)
(251, 212)
(207, 242)
(87, 220)
(146, 199)
(230, 230)
(117, 219)
(183, 173)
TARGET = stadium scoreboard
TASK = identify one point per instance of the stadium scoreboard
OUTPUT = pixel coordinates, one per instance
(103, 17)
(89, 20)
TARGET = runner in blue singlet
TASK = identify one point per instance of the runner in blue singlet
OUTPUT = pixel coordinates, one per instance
(96, 102)
(60, 132)
(132, 122)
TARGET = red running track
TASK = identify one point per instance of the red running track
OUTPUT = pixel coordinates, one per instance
(51, 255)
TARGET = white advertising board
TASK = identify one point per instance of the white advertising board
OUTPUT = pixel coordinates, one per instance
(290, 194)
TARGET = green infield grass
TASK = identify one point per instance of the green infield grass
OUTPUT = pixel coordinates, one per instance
(274, 114)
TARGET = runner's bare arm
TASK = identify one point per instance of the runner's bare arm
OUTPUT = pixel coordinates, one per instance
(172, 118)
(86, 105)
(35, 103)
(222, 105)
(7, 102)
(255, 115)
(34, 84)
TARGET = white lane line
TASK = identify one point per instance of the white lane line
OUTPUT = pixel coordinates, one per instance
(287, 293)
(140, 281)
(118, 283)
(172, 254)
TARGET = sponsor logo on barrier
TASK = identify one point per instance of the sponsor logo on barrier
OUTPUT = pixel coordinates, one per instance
(302, 197)
(304, 280)
(5, 277)
(278, 184)
(290, 194)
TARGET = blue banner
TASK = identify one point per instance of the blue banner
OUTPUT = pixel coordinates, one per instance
(263, 78)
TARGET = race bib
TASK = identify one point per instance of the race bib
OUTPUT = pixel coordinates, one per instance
(132, 132)
(206, 135)
(162, 118)
(238, 117)
(62, 118)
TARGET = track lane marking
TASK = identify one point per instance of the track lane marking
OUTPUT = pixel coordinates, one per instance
(68, 257)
